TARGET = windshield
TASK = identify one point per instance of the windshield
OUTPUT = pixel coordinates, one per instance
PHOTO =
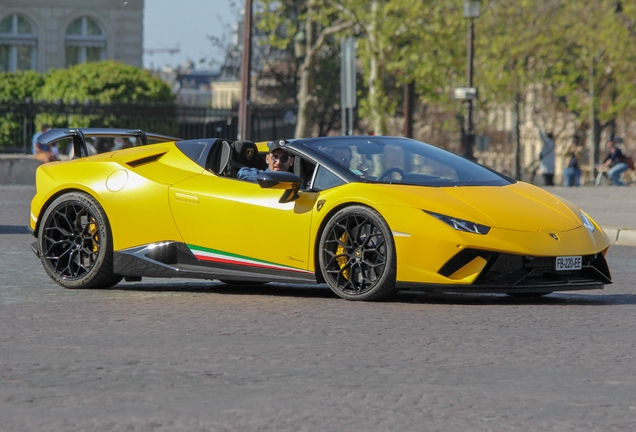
(405, 161)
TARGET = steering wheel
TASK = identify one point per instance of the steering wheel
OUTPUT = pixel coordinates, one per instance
(390, 171)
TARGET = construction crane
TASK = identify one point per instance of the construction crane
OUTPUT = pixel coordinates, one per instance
(162, 50)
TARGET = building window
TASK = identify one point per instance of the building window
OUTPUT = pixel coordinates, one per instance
(18, 44)
(85, 42)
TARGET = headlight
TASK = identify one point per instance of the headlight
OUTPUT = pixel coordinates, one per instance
(587, 223)
(460, 224)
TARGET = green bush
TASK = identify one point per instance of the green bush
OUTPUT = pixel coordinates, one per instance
(101, 94)
(105, 82)
(17, 87)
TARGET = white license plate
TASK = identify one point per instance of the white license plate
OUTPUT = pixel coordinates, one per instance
(569, 263)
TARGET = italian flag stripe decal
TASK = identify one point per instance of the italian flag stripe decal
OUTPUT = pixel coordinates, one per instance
(212, 255)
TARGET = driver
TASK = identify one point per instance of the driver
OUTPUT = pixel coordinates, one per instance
(342, 154)
(277, 160)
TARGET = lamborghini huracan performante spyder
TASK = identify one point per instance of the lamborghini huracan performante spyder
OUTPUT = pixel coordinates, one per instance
(367, 215)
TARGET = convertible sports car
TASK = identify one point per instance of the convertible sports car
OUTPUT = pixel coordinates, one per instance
(368, 215)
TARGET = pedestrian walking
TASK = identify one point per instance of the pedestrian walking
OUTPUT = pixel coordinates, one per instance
(546, 156)
(573, 155)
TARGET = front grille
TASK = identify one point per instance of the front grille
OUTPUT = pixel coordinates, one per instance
(524, 270)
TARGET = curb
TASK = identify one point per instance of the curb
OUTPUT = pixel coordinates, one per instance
(621, 236)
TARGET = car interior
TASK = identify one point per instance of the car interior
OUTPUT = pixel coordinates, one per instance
(227, 158)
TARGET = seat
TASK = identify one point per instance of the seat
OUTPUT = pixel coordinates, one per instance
(244, 155)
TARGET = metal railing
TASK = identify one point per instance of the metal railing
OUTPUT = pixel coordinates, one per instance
(19, 121)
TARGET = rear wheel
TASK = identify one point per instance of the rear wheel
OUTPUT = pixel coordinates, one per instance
(357, 255)
(76, 244)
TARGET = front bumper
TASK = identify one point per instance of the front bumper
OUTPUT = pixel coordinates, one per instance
(509, 273)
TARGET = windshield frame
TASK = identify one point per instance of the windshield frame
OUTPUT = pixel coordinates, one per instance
(468, 173)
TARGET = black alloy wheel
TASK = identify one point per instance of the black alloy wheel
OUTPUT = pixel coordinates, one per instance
(357, 255)
(76, 244)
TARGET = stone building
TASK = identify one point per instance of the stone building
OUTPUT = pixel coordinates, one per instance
(44, 34)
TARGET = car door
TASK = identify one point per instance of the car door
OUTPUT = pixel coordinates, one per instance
(230, 221)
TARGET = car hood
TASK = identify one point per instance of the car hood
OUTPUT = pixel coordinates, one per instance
(519, 206)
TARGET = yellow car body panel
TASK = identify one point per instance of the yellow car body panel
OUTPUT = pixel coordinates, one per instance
(241, 218)
(262, 147)
(423, 243)
(137, 207)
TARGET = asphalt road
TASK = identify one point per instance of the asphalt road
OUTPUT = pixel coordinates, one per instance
(196, 356)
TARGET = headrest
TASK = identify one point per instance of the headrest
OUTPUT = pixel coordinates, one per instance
(246, 153)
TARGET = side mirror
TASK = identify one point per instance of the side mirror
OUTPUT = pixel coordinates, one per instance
(281, 180)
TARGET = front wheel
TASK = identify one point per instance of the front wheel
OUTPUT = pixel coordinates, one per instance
(76, 244)
(357, 255)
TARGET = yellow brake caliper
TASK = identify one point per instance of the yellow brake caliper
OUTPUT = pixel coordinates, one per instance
(92, 227)
(342, 260)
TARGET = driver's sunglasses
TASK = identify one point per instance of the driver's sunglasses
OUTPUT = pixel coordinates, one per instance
(281, 159)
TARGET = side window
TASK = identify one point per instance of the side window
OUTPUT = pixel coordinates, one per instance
(325, 179)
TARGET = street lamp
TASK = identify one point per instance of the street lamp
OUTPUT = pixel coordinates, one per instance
(471, 11)
(244, 126)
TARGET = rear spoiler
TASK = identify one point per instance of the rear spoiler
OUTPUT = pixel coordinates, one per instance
(79, 136)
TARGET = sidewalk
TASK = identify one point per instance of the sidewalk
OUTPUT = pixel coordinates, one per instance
(612, 207)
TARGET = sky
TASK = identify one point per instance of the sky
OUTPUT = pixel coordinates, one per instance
(185, 24)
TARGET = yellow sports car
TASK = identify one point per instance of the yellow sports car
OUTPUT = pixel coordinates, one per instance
(368, 215)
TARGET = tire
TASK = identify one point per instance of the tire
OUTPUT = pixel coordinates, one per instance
(357, 255)
(75, 243)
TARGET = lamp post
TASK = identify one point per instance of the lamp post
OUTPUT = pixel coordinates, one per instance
(471, 11)
(244, 126)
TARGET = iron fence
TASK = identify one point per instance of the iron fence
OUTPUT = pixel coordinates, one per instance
(20, 121)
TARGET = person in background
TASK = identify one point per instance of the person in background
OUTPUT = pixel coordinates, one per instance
(44, 152)
(34, 140)
(573, 156)
(614, 163)
(546, 167)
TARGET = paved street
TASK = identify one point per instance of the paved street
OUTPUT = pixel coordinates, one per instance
(195, 356)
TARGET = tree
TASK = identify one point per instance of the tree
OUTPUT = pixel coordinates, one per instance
(17, 88)
(403, 41)
(320, 21)
(574, 57)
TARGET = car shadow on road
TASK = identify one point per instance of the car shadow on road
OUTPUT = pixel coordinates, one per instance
(555, 299)
(410, 297)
